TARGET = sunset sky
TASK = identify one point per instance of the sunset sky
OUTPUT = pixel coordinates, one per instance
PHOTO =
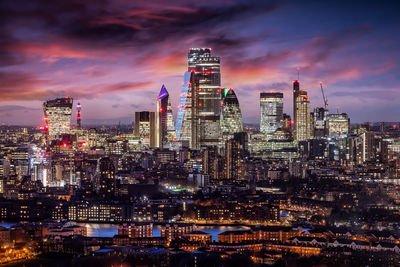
(114, 55)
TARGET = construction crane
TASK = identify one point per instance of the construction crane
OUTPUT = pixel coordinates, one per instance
(323, 96)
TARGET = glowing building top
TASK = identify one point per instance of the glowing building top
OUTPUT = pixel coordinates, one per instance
(57, 115)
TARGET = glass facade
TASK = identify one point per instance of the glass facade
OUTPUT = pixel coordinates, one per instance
(271, 108)
(207, 74)
(184, 119)
(231, 116)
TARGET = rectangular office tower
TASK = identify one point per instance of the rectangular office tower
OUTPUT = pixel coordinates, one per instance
(145, 127)
(320, 122)
(57, 115)
(207, 74)
(271, 109)
(338, 124)
(302, 123)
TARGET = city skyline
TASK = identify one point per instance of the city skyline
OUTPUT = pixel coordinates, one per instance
(119, 60)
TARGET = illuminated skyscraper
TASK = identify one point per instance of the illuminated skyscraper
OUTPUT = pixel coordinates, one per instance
(208, 77)
(106, 178)
(320, 122)
(145, 127)
(231, 117)
(186, 120)
(78, 116)
(271, 108)
(302, 124)
(57, 115)
(165, 129)
(234, 153)
(338, 124)
(296, 89)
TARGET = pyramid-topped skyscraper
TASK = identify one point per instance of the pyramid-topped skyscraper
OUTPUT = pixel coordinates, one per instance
(165, 128)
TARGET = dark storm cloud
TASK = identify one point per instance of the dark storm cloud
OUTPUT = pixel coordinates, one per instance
(118, 23)
(322, 47)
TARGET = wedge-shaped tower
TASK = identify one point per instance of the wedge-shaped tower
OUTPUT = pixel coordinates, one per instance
(186, 122)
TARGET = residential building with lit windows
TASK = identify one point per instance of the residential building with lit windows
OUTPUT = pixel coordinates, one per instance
(136, 230)
(176, 230)
(106, 178)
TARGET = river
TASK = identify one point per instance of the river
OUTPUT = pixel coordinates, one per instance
(109, 230)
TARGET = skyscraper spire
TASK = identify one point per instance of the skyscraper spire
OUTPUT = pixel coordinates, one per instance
(165, 128)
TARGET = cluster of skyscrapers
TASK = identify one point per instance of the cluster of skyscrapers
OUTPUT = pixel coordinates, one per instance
(210, 115)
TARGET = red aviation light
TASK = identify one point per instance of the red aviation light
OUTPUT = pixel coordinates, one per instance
(64, 144)
(295, 81)
(44, 128)
(292, 122)
(200, 104)
(161, 109)
(83, 144)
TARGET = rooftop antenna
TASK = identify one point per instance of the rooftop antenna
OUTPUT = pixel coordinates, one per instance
(298, 73)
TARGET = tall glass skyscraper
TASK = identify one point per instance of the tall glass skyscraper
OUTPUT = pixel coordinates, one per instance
(207, 74)
(57, 115)
(165, 129)
(186, 121)
(271, 109)
(231, 117)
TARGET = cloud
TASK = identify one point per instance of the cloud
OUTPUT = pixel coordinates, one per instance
(26, 86)
(12, 108)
